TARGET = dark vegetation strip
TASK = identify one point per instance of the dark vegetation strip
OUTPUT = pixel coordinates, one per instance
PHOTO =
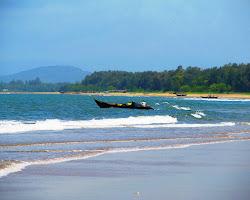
(228, 78)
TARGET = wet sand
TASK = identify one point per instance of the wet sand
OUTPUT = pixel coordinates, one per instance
(215, 171)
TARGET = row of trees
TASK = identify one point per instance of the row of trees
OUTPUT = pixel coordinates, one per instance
(230, 77)
(30, 86)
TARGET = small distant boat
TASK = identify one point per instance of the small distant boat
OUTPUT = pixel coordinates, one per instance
(180, 94)
(130, 105)
(209, 97)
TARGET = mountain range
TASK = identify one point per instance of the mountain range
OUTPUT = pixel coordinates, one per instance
(49, 74)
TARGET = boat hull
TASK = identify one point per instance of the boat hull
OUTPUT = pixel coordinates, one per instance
(131, 105)
(209, 96)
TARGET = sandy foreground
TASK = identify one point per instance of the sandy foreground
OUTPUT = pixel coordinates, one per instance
(166, 94)
(214, 171)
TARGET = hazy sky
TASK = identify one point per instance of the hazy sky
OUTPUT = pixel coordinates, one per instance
(130, 35)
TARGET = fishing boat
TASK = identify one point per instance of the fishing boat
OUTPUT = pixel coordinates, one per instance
(130, 105)
(209, 97)
(180, 94)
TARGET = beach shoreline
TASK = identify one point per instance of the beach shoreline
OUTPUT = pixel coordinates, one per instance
(148, 94)
(213, 171)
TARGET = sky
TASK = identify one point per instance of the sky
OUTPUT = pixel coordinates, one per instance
(132, 35)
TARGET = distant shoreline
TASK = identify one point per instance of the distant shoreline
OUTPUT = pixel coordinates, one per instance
(151, 94)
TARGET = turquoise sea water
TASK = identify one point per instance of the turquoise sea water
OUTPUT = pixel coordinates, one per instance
(43, 129)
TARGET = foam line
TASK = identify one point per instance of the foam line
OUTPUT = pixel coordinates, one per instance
(186, 125)
(8, 126)
(181, 107)
(16, 167)
(19, 166)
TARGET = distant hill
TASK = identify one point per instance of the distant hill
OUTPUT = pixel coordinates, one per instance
(49, 74)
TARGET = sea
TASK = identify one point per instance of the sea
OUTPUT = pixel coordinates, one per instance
(42, 129)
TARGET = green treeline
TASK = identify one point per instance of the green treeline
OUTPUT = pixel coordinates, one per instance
(30, 86)
(228, 78)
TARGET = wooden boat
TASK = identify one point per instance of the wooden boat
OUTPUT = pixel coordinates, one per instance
(180, 94)
(209, 97)
(130, 105)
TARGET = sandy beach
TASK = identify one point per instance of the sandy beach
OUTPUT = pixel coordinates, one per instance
(124, 100)
(215, 171)
(189, 95)
(150, 94)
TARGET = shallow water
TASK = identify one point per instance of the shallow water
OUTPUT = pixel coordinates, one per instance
(43, 129)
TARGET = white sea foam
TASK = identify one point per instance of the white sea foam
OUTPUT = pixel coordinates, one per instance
(16, 167)
(134, 149)
(7, 126)
(222, 124)
(12, 168)
(181, 108)
(245, 123)
(198, 114)
(201, 113)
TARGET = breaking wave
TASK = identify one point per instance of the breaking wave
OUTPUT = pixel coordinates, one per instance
(221, 124)
(7, 167)
(181, 107)
(198, 114)
(9, 126)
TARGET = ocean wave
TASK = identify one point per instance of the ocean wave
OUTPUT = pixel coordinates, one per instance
(127, 140)
(16, 166)
(8, 167)
(201, 113)
(181, 107)
(245, 123)
(139, 122)
(198, 114)
(9, 126)
(186, 125)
